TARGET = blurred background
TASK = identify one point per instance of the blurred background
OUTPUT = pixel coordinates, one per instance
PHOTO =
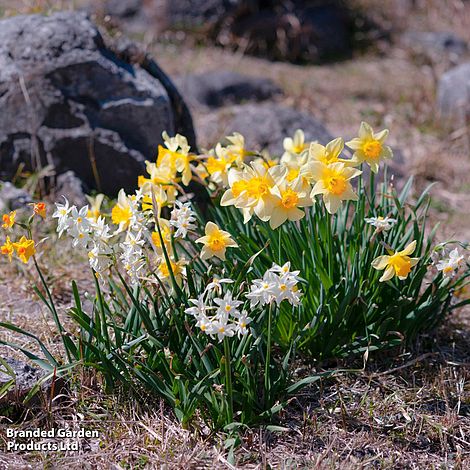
(260, 67)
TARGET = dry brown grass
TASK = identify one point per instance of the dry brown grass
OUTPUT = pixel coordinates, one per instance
(410, 411)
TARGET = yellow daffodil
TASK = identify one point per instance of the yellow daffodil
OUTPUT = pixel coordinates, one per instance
(333, 182)
(176, 156)
(165, 229)
(9, 220)
(7, 249)
(39, 208)
(267, 160)
(295, 145)
(397, 263)
(178, 268)
(218, 163)
(121, 213)
(369, 147)
(161, 200)
(296, 171)
(95, 206)
(250, 190)
(215, 242)
(327, 154)
(236, 149)
(289, 197)
(160, 176)
(177, 142)
(24, 249)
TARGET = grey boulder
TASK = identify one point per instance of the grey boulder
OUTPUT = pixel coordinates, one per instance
(12, 198)
(218, 88)
(453, 95)
(435, 45)
(263, 125)
(70, 98)
(71, 187)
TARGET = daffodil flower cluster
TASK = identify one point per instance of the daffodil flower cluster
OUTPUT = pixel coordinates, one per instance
(140, 239)
(25, 247)
(277, 191)
(87, 232)
(219, 317)
(450, 263)
(224, 316)
(278, 283)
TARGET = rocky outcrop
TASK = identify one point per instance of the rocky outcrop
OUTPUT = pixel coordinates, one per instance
(294, 30)
(71, 99)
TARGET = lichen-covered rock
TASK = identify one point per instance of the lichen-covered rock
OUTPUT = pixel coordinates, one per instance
(453, 95)
(218, 88)
(68, 97)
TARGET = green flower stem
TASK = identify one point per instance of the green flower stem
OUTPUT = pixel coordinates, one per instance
(267, 381)
(372, 189)
(329, 244)
(52, 308)
(228, 379)
(51, 303)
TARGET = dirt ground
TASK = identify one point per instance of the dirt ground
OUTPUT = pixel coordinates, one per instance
(411, 410)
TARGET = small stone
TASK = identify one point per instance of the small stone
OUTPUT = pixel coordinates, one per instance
(25, 378)
(12, 198)
(70, 186)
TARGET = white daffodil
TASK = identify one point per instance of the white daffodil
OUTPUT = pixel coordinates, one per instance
(199, 307)
(222, 328)
(182, 218)
(285, 288)
(452, 264)
(381, 223)
(228, 306)
(62, 213)
(216, 284)
(242, 324)
(260, 290)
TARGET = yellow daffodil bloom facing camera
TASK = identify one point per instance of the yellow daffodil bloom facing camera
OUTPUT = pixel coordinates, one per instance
(24, 249)
(333, 182)
(397, 263)
(369, 147)
(216, 241)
